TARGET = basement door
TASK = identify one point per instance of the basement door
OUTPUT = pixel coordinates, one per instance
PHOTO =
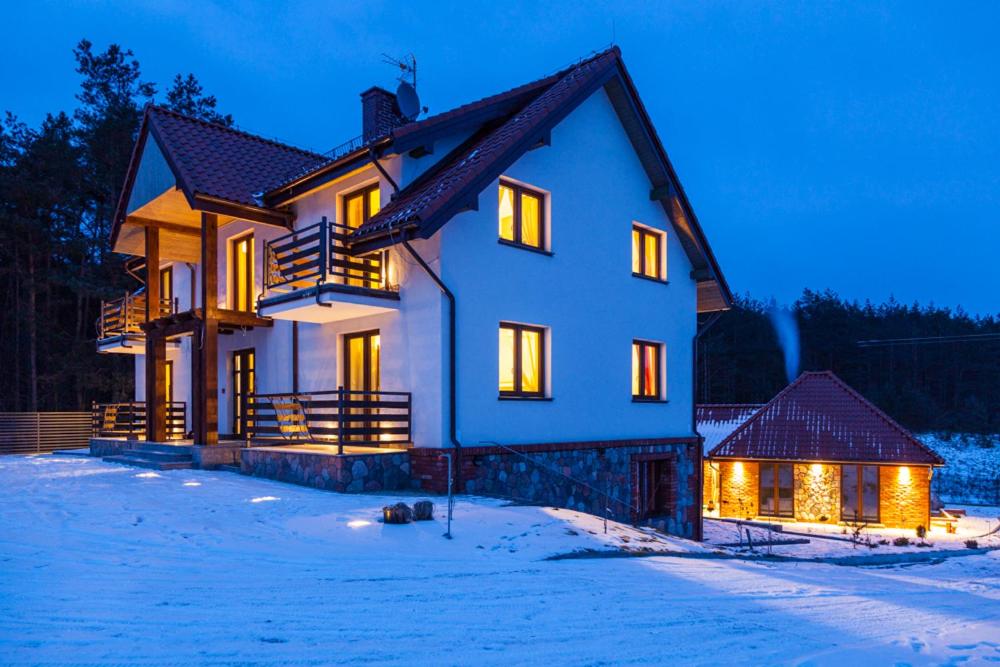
(244, 384)
(656, 487)
(362, 377)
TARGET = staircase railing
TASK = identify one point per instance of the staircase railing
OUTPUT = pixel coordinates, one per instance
(128, 420)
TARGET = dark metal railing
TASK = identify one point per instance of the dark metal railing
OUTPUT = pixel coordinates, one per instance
(124, 315)
(318, 254)
(340, 416)
(128, 420)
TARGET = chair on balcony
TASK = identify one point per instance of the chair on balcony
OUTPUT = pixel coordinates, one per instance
(291, 418)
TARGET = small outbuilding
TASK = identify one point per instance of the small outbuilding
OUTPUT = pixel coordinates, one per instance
(817, 452)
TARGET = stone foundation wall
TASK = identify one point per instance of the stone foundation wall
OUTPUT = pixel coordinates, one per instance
(817, 492)
(739, 489)
(905, 496)
(111, 447)
(350, 473)
(573, 476)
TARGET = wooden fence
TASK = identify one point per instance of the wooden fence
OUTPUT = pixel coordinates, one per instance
(36, 432)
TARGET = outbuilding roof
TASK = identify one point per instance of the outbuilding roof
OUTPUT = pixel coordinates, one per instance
(717, 420)
(820, 418)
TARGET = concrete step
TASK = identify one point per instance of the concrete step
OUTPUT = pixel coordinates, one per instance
(229, 468)
(148, 463)
(155, 455)
(72, 452)
(160, 447)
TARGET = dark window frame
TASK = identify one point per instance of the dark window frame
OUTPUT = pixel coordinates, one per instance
(237, 300)
(658, 375)
(366, 214)
(517, 392)
(660, 275)
(167, 286)
(859, 491)
(778, 514)
(519, 190)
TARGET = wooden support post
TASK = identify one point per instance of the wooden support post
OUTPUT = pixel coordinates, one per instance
(206, 342)
(156, 346)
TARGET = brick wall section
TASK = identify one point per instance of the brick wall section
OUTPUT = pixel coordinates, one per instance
(817, 492)
(904, 504)
(350, 473)
(739, 488)
(572, 475)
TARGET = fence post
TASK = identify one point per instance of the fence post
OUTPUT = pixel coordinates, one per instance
(340, 419)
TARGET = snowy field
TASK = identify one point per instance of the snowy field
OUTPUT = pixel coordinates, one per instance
(105, 565)
(972, 473)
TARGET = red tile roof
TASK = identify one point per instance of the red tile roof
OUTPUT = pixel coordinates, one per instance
(717, 420)
(221, 162)
(820, 418)
(457, 176)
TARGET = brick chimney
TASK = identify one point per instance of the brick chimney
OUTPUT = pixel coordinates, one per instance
(379, 113)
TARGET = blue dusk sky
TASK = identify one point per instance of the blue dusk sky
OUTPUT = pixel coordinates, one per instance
(825, 145)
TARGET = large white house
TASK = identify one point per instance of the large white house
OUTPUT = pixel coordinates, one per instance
(516, 282)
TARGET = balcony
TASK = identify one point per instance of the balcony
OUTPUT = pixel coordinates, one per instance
(119, 328)
(310, 276)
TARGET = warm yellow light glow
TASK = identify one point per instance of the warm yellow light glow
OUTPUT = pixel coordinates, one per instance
(358, 523)
(506, 359)
(506, 213)
(816, 469)
(531, 377)
(904, 475)
(531, 220)
(738, 471)
(636, 251)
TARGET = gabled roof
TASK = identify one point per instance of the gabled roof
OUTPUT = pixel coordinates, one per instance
(717, 420)
(214, 161)
(820, 418)
(454, 183)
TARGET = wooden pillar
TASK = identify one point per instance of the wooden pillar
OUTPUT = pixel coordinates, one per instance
(206, 342)
(156, 346)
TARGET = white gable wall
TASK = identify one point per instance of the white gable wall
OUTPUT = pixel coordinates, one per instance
(584, 293)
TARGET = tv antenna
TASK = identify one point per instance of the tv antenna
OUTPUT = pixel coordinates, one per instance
(406, 92)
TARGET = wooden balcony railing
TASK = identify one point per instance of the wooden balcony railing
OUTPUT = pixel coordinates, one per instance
(318, 254)
(125, 314)
(341, 417)
(128, 420)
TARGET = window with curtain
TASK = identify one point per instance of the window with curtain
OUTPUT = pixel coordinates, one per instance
(859, 493)
(521, 215)
(776, 490)
(647, 253)
(646, 370)
(241, 261)
(522, 360)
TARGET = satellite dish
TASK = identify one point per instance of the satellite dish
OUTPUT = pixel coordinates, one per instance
(406, 98)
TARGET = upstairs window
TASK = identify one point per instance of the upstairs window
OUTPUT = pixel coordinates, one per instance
(647, 253)
(522, 360)
(361, 205)
(646, 385)
(521, 216)
(241, 263)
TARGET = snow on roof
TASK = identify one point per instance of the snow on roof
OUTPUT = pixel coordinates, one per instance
(716, 421)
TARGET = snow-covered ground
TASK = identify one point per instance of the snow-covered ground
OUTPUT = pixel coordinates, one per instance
(104, 564)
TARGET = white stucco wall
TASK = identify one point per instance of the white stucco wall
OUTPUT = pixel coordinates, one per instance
(584, 293)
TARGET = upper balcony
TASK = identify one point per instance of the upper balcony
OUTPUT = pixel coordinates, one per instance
(119, 328)
(310, 276)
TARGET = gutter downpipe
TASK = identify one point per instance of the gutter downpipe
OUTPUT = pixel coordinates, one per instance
(702, 328)
(452, 388)
(456, 475)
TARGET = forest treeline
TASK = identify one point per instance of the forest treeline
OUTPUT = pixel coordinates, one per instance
(930, 385)
(59, 185)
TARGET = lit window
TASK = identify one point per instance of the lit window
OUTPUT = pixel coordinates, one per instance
(776, 493)
(646, 370)
(521, 215)
(522, 360)
(241, 261)
(859, 493)
(359, 207)
(647, 253)
(166, 290)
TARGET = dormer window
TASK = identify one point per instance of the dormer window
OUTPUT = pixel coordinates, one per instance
(521, 216)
